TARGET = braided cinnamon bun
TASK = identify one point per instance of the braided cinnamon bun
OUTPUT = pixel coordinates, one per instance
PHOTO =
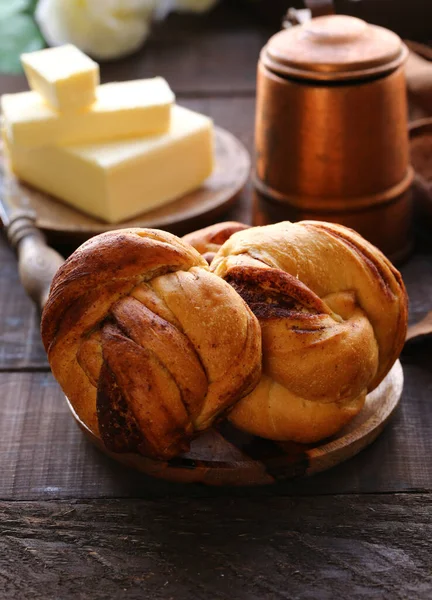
(148, 345)
(333, 315)
(208, 240)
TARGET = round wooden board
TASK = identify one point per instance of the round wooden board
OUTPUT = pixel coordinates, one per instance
(189, 212)
(227, 456)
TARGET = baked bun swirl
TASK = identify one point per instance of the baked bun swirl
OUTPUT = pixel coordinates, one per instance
(208, 240)
(148, 345)
(333, 315)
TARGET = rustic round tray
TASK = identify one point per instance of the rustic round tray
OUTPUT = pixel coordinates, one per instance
(189, 212)
(227, 456)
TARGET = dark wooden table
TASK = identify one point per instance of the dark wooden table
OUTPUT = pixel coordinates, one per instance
(76, 525)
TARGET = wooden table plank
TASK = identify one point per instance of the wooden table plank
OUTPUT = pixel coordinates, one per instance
(304, 548)
(20, 343)
(44, 455)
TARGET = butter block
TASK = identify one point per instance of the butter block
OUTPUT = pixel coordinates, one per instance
(121, 110)
(118, 180)
(64, 76)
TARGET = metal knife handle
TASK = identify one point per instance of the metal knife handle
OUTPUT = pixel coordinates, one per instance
(37, 262)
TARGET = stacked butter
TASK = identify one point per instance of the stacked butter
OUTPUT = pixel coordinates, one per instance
(113, 150)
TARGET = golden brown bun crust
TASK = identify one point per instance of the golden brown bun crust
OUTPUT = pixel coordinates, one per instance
(147, 344)
(333, 315)
(208, 240)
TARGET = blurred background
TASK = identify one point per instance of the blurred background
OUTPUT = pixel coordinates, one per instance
(111, 29)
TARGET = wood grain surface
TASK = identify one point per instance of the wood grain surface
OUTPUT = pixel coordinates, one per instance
(323, 548)
(20, 343)
(43, 454)
(345, 533)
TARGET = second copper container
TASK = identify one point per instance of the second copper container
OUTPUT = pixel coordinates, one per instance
(331, 130)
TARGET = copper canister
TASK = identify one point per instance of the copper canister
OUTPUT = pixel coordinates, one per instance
(331, 130)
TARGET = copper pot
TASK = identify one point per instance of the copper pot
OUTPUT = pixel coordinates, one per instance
(331, 130)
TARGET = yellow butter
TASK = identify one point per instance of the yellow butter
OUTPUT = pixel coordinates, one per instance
(64, 76)
(118, 180)
(121, 110)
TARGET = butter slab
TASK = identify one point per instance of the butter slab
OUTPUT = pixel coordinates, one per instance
(121, 110)
(118, 180)
(64, 76)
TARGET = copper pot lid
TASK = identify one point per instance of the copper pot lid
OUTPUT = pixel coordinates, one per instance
(334, 48)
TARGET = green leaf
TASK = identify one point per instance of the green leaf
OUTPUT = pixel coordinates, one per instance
(9, 8)
(31, 5)
(19, 33)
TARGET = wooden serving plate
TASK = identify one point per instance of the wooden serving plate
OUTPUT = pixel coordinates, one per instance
(192, 211)
(227, 456)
